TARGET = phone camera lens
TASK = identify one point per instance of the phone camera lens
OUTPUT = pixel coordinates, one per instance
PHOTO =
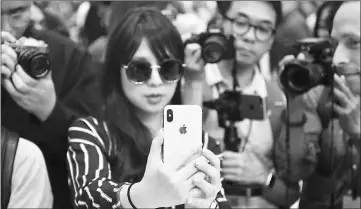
(169, 115)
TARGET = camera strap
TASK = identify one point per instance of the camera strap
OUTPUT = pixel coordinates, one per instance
(9, 144)
(274, 102)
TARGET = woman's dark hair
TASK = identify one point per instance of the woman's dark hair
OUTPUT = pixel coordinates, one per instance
(120, 8)
(124, 40)
(330, 8)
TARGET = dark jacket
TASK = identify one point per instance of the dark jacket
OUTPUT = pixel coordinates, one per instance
(75, 86)
(326, 162)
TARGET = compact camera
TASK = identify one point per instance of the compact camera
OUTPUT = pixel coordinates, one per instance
(215, 45)
(299, 76)
(33, 59)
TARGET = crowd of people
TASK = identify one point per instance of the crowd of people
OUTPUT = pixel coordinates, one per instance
(84, 85)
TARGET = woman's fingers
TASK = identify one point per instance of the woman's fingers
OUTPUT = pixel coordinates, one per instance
(185, 158)
(208, 189)
(196, 191)
(212, 172)
(155, 153)
(187, 171)
(213, 159)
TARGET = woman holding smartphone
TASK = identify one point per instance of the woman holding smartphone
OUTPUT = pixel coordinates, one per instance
(115, 160)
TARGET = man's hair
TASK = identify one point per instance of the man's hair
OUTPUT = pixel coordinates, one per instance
(224, 6)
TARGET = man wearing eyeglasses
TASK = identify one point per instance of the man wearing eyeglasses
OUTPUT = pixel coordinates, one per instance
(41, 110)
(253, 24)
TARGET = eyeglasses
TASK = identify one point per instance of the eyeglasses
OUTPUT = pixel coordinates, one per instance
(241, 25)
(140, 71)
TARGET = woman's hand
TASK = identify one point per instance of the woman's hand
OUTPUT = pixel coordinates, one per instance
(211, 188)
(161, 185)
(347, 107)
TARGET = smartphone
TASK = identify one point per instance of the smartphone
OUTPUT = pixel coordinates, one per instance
(182, 132)
(253, 107)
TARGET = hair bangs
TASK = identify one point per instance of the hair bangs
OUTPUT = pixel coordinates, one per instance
(163, 38)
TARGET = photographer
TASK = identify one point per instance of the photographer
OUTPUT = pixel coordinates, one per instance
(40, 101)
(249, 164)
(331, 129)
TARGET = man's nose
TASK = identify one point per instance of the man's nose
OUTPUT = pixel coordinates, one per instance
(340, 56)
(250, 35)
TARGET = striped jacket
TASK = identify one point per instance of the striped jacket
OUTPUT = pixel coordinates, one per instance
(97, 175)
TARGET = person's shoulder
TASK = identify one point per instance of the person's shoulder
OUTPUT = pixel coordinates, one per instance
(87, 123)
(28, 153)
(90, 130)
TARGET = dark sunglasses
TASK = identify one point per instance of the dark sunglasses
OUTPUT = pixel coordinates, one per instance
(140, 71)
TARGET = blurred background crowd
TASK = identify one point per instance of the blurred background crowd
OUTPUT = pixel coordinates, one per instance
(87, 23)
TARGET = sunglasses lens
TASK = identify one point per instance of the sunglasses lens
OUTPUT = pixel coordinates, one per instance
(138, 71)
(171, 70)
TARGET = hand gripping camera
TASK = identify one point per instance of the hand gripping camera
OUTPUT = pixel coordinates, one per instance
(33, 59)
(299, 76)
(215, 45)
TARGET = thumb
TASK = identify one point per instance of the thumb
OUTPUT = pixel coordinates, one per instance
(155, 152)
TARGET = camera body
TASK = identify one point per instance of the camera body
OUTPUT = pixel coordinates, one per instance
(33, 59)
(299, 76)
(233, 106)
(215, 45)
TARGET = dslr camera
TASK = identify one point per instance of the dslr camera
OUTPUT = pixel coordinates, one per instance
(33, 59)
(299, 76)
(232, 107)
(215, 45)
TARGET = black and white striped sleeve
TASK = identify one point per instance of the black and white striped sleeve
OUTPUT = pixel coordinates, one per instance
(89, 170)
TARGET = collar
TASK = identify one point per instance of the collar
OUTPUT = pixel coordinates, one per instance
(257, 86)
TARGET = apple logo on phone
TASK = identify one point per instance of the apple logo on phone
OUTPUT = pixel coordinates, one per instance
(183, 129)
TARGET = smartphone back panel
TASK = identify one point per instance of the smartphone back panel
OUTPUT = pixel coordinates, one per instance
(182, 131)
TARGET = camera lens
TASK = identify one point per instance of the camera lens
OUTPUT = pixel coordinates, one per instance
(214, 48)
(35, 63)
(169, 115)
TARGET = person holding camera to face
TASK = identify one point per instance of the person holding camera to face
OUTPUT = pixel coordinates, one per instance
(46, 82)
(327, 116)
(247, 166)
